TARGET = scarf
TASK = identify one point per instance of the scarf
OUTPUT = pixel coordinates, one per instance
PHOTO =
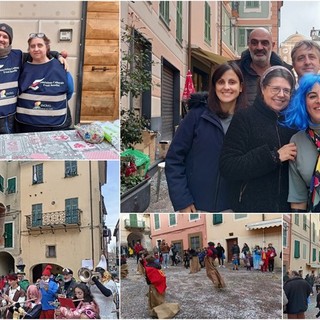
(4, 52)
(314, 191)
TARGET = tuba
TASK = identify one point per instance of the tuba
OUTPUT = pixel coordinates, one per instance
(86, 275)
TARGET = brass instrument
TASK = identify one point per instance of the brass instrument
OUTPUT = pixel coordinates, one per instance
(86, 275)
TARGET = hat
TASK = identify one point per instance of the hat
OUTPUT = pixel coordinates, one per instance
(66, 271)
(47, 270)
(12, 276)
(8, 30)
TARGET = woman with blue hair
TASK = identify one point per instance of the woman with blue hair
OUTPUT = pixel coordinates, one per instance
(303, 114)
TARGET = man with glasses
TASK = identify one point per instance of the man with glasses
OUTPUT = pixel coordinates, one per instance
(257, 59)
(10, 66)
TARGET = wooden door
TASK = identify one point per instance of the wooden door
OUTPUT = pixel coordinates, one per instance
(100, 88)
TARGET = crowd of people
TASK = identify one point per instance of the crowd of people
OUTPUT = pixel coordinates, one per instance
(60, 296)
(35, 87)
(242, 145)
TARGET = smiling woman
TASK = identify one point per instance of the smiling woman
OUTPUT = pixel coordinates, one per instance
(45, 88)
(303, 114)
(256, 150)
(192, 161)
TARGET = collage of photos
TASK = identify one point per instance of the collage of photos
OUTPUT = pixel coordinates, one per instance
(159, 159)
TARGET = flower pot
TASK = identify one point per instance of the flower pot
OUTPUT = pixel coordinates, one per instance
(137, 199)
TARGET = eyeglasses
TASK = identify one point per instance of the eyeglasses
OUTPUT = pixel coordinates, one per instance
(36, 35)
(276, 90)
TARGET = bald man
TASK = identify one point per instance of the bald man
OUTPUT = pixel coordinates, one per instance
(257, 59)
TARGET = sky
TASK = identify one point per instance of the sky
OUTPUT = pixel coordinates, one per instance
(111, 193)
(299, 16)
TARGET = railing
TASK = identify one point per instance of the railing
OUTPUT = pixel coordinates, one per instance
(139, 224)
(54, 219)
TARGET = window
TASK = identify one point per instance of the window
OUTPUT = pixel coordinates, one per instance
(194, 216)
(304, 222)
(172, 219)
(1, 183)
(51, 252)
(304, 251)
(71, 208)
(8, 235)
(195, 242)
(243, 37)
(11, 185)
(296, 249)
(70, 168)
(313, 232)
(156, 221)
(207, 22)
(240, 216)
(179, 22)
(252, 4)
(314, 254)
(296, 219)
(164, 11)
(285, 235)
(37, 173)
(217, 218)
(36, 215)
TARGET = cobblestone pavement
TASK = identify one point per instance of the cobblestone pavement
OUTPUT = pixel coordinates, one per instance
(164, 203)
(248, 295)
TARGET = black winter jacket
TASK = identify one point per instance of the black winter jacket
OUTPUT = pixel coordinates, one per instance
(297, 291)
(249, 160)
(251, 78)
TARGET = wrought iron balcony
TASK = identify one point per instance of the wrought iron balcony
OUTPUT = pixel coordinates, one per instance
(54, 220)
(138, 224)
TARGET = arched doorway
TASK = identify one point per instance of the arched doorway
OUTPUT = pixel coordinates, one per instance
(6, 263)
(37, 269)
(133, 237)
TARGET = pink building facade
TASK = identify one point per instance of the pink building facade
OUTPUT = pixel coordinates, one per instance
(184, 230)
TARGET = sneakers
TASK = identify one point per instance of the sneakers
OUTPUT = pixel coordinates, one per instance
(223, 266)
(219, 266)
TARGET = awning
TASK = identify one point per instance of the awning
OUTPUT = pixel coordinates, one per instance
(208, 55)
(313, 265)
(264, 224)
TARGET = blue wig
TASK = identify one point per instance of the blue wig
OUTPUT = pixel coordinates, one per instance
(296, 115)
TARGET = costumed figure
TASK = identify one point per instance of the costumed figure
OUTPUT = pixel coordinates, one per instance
(212, 272)
(156, 279)
(86, 309)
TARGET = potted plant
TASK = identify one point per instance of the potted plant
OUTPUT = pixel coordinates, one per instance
(135, 78)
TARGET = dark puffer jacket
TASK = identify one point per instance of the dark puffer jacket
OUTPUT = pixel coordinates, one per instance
(251, 78)
(250, 162)
(297, 291)
(192, 161)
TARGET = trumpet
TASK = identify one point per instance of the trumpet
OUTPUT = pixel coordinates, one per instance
(86, 275)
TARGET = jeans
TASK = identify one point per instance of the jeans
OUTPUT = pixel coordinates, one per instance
(165, 260)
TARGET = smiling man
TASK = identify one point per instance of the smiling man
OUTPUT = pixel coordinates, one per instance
(305, 57)
(257, 59)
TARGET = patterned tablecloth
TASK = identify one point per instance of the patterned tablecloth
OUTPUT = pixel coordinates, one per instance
(53, 145)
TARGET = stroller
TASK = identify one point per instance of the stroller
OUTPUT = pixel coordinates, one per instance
(178, 259)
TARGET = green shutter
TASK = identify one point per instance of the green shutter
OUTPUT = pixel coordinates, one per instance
(11, 185)
(8, 235)
(296, 249)
(71, 209)
(172, 219)
(314, 254)
(179, 22)
(242, 38)
(133, 220)
(37, 215)
(156, 221)
(1, 183)
(217, 218)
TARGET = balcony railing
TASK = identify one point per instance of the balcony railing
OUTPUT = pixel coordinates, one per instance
(54, 220)
(139, 224)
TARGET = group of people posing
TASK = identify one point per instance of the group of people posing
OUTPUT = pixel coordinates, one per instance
(59, 296)
(251, 144)
(34, 87)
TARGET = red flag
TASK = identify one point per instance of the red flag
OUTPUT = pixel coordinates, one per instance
(188, 87)
(157, 278)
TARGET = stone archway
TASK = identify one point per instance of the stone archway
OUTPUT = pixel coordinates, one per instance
(133, 237)
(36, 270)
